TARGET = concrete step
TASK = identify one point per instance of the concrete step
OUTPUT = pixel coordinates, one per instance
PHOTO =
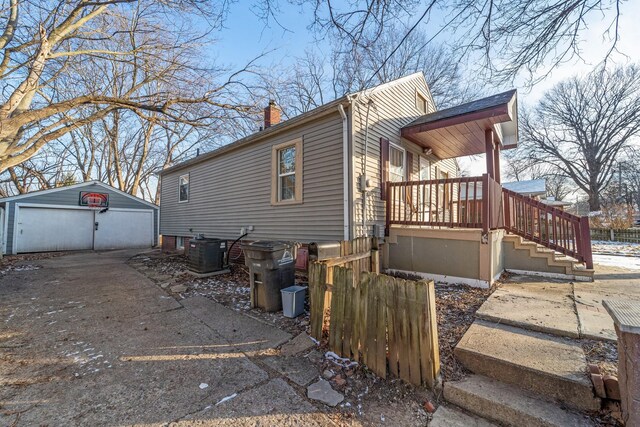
(573, 270)
(552, 367)
(450, 416)
(508, 405)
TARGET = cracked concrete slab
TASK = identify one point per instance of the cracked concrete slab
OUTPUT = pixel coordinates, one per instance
(245, 333)
(274, 403)
(534, 303)
(298, 369)
(610, 283)
(87, 340)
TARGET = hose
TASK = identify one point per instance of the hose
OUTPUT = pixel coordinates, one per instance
(226, 262)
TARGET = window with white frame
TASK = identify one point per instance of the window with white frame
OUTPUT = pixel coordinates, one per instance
(396, 163)
(425, 169)
(183, 188)
(180, 243)
(287, 173)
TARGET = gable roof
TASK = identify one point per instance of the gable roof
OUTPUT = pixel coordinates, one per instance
(320, 111)
(466, 108)
(77, 186)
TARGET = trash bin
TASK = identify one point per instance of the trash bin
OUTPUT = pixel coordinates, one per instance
(271, 268)
(293, 301)
(206, 255)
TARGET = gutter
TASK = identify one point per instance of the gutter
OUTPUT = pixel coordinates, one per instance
(345, 173)
(258, 136)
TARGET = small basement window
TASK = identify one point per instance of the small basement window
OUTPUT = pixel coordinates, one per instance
(183, 188)
(180, 243)
(287, 173)
(421, 103)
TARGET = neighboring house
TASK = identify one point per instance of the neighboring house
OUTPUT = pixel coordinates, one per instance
(313, 178)
(85, 216)
(536, 188)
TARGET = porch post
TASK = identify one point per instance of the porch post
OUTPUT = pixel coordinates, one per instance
(489, 149)
(496, 162)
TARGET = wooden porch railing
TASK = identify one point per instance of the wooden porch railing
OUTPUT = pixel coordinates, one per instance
(453, 202)
(548, 226)
(481, 202)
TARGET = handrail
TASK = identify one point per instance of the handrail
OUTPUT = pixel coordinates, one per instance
(481, 202)
(449, 202)
(548, 226)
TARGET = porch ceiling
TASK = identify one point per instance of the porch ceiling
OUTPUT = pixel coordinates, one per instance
(460, 131)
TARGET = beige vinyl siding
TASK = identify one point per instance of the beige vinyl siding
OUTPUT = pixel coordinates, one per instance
(233, 190)
(394, 106)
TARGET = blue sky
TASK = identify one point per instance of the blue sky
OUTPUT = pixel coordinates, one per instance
(245, 37)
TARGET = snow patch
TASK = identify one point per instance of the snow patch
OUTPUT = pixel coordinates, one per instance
(224, 399)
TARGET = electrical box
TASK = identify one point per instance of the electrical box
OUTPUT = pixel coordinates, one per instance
(364, 183)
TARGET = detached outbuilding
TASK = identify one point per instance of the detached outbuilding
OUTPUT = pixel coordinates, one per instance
(86, 216)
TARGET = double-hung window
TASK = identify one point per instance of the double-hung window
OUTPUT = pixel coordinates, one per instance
(396, 163)
(183, 188)
(287, 173)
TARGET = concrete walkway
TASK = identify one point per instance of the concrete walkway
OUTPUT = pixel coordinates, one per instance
(87, 340)
(560, 307)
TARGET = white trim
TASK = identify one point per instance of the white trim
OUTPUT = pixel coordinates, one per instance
(345, 173)
(7, 208)
(180, 247)
(80, 185)
(3, 219)
(386, 85)
(404, 159)
(45, 205)
(577, 278)
(188, 175)
(14, 247)
(450, 280)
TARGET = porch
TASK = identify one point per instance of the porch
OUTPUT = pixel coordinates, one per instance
(429, 215)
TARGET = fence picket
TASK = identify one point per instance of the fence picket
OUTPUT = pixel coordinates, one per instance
(380, 320)
(381, 325)
(391, 296)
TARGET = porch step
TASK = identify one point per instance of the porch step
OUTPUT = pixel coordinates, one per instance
(451, 416)
(550, 366)
(507, 404)
(568, 267)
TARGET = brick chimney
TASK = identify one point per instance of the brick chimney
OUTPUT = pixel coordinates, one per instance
(271, 114)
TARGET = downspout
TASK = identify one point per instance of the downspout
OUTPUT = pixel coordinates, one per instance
(345, 173)
(363, 182)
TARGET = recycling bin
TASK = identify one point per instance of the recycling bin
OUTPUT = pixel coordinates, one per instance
(271, 268)
(293, 301)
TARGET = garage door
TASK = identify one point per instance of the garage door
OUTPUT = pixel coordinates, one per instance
(124, 229)
(44, 229)
(48, 229)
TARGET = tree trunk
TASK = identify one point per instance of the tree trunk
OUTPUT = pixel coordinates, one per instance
(594, 201)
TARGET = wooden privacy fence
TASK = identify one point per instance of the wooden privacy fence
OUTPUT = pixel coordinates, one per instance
(629, 235)
(361, 255)
(389, 324)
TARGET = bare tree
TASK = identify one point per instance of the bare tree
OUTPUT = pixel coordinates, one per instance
(51, 49)
(521, 164)
(372, 64)
(513, 36)
(581, 126)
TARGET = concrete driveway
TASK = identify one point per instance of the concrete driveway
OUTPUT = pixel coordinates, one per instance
(87, 340)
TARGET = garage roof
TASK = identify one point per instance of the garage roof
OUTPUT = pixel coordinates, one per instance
(78, 186)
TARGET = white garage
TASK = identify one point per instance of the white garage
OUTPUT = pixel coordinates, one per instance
(87, 216)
